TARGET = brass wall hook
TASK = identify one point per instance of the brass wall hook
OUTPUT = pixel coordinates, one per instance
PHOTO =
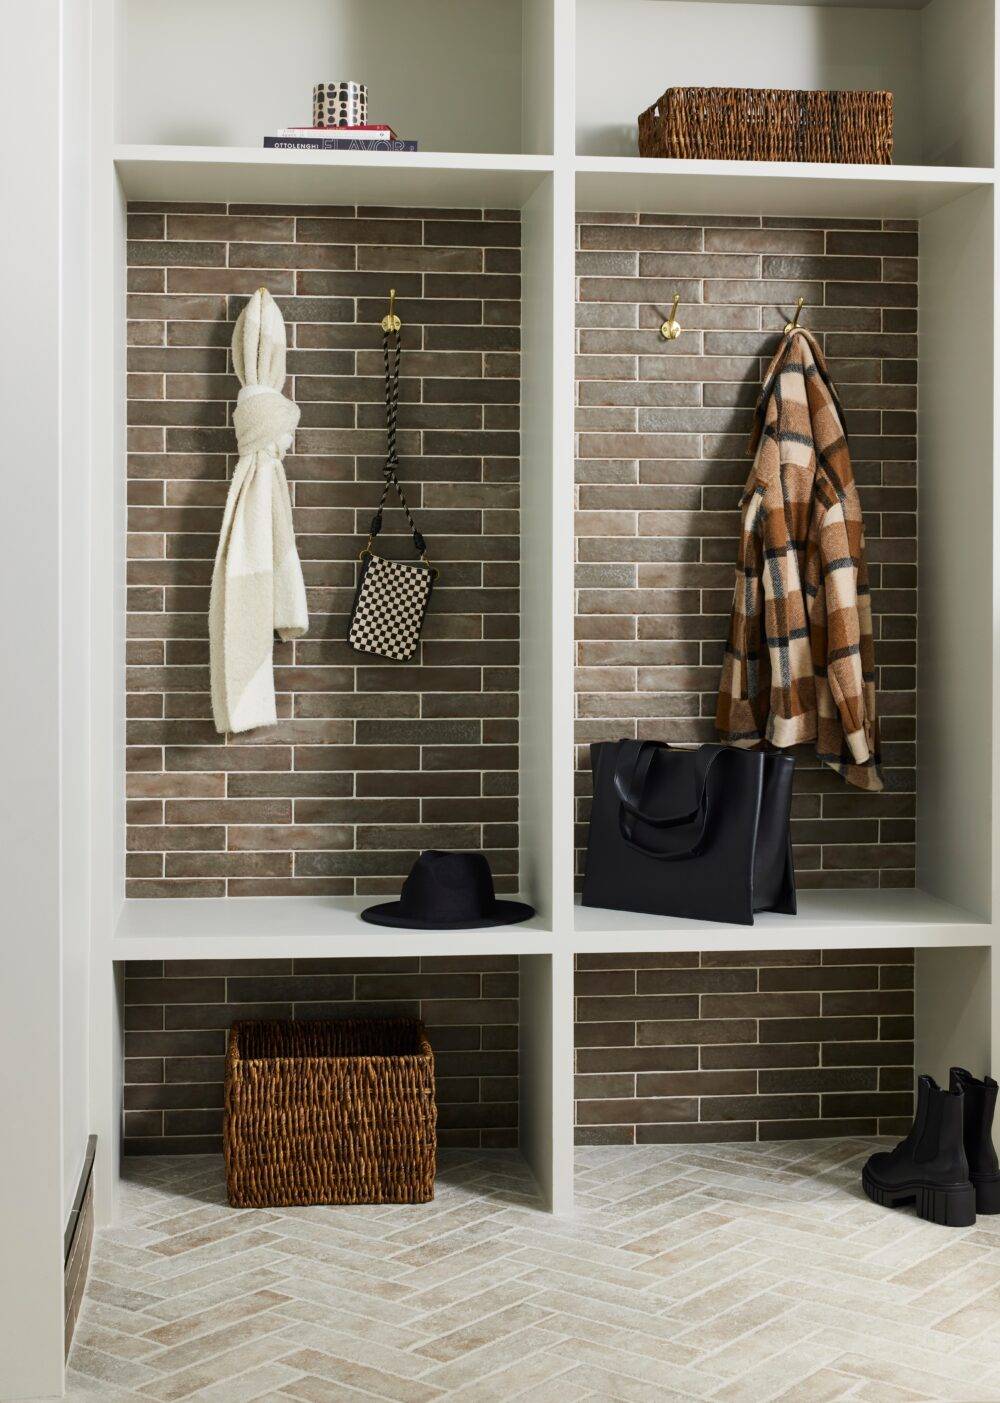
(671, 328)
(793, 325)
(392, 322)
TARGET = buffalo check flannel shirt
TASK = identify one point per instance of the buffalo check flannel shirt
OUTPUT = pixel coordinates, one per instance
(800, 657)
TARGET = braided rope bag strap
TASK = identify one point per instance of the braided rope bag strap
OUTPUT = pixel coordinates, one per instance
(392, 595)
(392, 458)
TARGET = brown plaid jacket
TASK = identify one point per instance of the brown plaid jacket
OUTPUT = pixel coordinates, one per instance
(800, 657)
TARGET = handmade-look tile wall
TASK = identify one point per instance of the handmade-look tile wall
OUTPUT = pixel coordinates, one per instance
(737, 1045)
(743, 1045)
(177, 1014)
(370, 761)
(663, 428)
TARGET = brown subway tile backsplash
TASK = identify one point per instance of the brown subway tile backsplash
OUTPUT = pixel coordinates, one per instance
(739, 1061)
(662, 430)
(671, 1048)
(357, 775)
(177, 1014)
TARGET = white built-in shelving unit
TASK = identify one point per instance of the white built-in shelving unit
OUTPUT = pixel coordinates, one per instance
(532, 106)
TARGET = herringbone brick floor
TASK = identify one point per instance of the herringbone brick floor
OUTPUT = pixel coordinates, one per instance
(741, 1273)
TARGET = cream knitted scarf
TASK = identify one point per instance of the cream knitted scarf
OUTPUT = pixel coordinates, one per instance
(257, 586)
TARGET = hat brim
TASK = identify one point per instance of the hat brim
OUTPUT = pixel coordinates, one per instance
(504, 913)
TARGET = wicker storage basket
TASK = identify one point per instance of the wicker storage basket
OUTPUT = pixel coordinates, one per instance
(769, 124)
(329, 1112)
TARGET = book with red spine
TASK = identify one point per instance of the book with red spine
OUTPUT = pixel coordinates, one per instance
(337, 143)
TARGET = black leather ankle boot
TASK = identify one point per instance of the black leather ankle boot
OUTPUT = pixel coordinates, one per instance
(980, 1099)
(929, 1167)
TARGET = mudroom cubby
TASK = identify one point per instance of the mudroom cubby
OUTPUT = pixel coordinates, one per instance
(930, 56)
(470, 77)
(662, 429)
(897, 268)
(743, 1045)
(370, 762)
(177, 1015)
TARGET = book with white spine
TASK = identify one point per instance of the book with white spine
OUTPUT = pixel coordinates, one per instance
(376, 132)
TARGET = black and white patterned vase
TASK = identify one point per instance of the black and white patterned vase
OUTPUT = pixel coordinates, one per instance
(340, 104)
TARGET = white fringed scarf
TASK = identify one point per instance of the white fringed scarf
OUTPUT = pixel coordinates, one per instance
(257, 586)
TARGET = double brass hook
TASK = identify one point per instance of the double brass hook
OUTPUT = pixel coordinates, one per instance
(793, 325)
(392, 322)
(671, 328)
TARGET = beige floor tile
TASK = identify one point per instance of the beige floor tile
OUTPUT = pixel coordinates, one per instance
(695, 1383)
(487, 1330)
(752, 1273)
(332, 1339)
(888, 1393)
(212, 1317)
(90, 1334)
(317, 1364)
(890, 1367)
(214, 1341)
(210, 1287)
(185, 1382)
(805, 1362)
(526, 1378)
(614, 1387)
(253, 1384)
(498, 1354)
(106, 1369)
(361, 1327)
(667, 1351)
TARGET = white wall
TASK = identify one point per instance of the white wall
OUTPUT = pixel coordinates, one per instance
(951, 1005)
(958, 82)
(229, 71)
(956, 643)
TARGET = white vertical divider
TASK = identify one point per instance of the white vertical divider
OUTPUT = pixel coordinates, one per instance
(993, 971)
(536, 781)
(957, 666)
(564, 611)
(993, 968)
(957, 993)
(108, 527)
(546, 780)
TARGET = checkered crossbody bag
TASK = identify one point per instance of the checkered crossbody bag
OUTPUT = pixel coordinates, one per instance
(392, 595)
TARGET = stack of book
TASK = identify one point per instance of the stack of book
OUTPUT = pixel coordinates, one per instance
(378, 137)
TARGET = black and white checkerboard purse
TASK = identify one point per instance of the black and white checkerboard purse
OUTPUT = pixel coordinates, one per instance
(392, 595)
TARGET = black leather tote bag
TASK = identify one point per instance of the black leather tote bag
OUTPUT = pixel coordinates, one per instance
(700, 833)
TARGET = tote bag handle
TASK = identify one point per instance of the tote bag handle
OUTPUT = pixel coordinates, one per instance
(631, 772)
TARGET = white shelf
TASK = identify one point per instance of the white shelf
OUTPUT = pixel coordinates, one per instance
(321, 927)
(277, 927)
(770, 187)
(249, 173)
(832, 920)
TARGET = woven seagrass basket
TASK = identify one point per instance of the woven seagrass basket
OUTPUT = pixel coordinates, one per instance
(769, 124)
(329, 1112)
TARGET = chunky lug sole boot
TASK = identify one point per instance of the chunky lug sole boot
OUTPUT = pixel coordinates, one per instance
(980, 1099)
(928, 1168)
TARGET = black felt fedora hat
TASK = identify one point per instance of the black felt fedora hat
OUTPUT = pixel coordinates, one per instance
(448, 891)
